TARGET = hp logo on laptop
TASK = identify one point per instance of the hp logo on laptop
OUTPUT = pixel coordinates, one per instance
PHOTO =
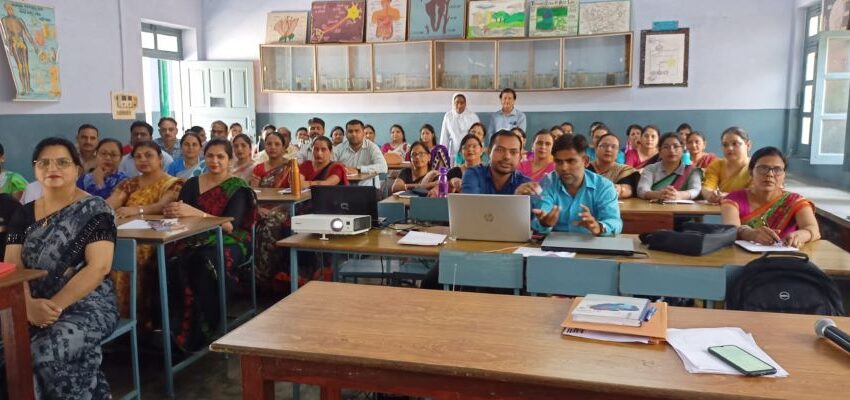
(489, 217)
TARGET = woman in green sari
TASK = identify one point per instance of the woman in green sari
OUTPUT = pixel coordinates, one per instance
(670, 178)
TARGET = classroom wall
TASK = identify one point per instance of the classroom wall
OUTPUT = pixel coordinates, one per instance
(90, 63)
(740, 60)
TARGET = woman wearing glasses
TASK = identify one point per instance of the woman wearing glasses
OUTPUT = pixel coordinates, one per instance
(730, 172)
(764, 212)
(419, 174)
(101, 181)
(71, 235)
(670, 178)
(146, 194)
(624, 177)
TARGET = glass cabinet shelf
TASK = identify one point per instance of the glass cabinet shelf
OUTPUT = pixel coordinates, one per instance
(465, 65)
(288, 68)
(402, 66)
(597, 61)
(344, 68)
(530, 64)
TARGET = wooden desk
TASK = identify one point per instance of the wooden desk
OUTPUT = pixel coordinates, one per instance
(273, 196)
(16, 336)
(451, 345)
(193, 226)
(355, 179)
(399, 166)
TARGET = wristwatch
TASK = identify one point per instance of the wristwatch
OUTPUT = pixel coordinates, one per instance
(141, 211)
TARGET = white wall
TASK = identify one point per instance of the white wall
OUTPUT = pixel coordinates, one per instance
(90, 51)
(740, 58)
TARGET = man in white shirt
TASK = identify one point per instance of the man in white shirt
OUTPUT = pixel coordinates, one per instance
(317, 128)
(140, 131)
(359, 154)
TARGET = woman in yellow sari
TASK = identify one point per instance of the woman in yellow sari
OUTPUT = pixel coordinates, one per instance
(764, 212)
(729, 173)
(148, 194)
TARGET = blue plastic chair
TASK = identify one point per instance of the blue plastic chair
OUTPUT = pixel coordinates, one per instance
(428, 209)
(393, 212)
(124, 259)
(707, 283)
(571, 276)
(480, 269)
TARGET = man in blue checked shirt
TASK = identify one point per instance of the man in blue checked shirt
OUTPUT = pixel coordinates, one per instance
(573, 199)
(500, 176)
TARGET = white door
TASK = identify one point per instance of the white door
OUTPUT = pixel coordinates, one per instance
(218, 90)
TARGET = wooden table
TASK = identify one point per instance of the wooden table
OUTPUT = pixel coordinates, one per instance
(456, 345)
(16, 336)
(399, 166)
(363, 176)
(274, 196)
(193, 226)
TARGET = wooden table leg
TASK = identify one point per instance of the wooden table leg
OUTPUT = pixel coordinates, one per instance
(16, 341)
(254, 386)
(330, 393)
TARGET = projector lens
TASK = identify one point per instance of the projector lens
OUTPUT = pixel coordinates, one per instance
(336, 225)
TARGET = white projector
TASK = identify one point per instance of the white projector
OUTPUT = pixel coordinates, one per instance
(331, 224)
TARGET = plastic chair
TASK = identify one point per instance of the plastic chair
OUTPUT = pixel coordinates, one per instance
(124, 259)
(571, 276)
(429, 209)
(393, 212)
(707, 283)
(480, 269)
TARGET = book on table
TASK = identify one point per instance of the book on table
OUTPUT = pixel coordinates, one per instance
(612, 310)
(653, 328)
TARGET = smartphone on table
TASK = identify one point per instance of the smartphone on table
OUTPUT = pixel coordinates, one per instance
(742, 360)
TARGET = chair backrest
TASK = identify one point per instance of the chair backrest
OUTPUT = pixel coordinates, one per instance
(708, 283)
(429, 209)
(480, 269)
(642, 222)
(124, 259)
(393, 212)
(571, 276)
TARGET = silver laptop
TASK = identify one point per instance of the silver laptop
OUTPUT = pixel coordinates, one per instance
(494, 217)
(585, 243)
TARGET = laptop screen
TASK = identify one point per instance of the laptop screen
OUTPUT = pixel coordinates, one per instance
(347, 200)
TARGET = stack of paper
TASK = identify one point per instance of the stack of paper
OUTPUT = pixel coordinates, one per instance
(422, 239)
(692, 347)
(614, 310)
(135, 224)
(536, 251)
(762, 248)
(652, 330)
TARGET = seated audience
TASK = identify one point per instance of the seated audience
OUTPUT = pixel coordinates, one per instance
(291, 149)
(419, 174)
(369, 132)
(8, 207)
(167, 139)
(428, 137)
(10, 182)
(479, 131)
(148, 194)
(141, 131)
(202, 133)
(696, 146)
(190, 164)
(105, 176)
(317, 128)
(191, 271)
(764, 212)
(670, 178)
(267, 128)
(235, 129)
(337, 135)
(71, 236)
(397, 143)
(500, 175)
(274, 172)
(527, 155)
(243, 165)
(624, 177)
(567, 127)
(472, 148)
(573, 199)
(683, 130)
(633, 133)
(556, 132)
(599, 131)
(303, 137)
(218, 129)
(322, 171)
(541, 162)
(87, 139)
(647, 151)
(729, 173)
(358, 154)
(456, 123)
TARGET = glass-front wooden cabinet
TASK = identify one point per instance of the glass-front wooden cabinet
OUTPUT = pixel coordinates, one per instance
(403, 66)
(344, 68)
(465, 64)
(288, 68)
(597, 61)
(530, 64)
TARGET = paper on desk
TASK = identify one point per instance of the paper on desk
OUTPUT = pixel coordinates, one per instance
(422, 239)
(289, 190)
(135, 224)
(681, 201)
(536, 251)
(692, 347)
(605, 336)
(761, 248)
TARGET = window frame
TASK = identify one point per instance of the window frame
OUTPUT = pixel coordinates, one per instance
(819, 116)
(156, 52)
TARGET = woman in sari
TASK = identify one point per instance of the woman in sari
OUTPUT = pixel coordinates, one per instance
(764, 212)
(101, 181)
(419, 174)
(478, 130)
(670, 178)
(472, 149)
(274, 172)
(541, 163)
(696, 146)
(397, 143)
(243, 166)
(190, 164)
(647, 151)
(194, 303)
(729, 173)
(148, 194)
(71, 235)
(624, 177)
(632, 137)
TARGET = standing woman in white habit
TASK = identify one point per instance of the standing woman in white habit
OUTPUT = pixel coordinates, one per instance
(456, 124)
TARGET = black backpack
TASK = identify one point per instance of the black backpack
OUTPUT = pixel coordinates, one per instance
(786, 283)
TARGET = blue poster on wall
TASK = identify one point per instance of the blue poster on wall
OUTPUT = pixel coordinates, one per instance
(436, 19)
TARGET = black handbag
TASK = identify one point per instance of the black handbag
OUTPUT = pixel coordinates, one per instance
(693, 239)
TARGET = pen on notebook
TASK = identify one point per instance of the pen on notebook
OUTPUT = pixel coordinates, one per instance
(652, 310)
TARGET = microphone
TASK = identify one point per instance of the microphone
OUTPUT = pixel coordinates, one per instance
(826, 328)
